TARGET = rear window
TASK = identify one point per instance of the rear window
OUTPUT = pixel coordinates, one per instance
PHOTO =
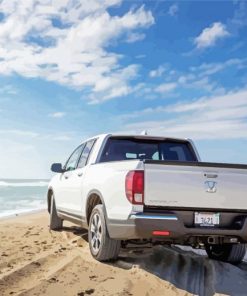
(126, 149)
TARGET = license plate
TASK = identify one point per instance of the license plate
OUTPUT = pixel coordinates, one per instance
(207, 219)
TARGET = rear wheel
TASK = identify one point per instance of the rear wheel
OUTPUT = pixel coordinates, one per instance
(227, 253)
(56, 223)
(102, 247)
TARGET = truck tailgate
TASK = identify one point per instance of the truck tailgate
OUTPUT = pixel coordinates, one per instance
(195, 185)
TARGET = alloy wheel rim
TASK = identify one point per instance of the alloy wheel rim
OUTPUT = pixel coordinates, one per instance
(96, 233)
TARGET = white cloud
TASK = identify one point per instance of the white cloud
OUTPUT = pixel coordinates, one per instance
(57, 114)
(114, 85)
(173, 10)
(8, 90)
(219, 103)
(210, 35)
(203, 83)
(207, 69)
(239, 19)
(166, 87)
(201, 78)
(73, 53)
(217, 117)
(133, 37)
(157, 72)
(20, 133)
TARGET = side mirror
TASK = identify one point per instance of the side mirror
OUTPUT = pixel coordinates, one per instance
(57, 168)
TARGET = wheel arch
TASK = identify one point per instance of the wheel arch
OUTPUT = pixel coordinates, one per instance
(94, 198)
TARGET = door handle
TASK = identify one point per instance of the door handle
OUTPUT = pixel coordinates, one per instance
(79, 174)
(66, 177)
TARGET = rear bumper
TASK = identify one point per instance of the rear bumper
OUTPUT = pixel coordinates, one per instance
(180, 225)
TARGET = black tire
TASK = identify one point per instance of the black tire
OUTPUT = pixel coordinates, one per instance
(228, 253)
(102, 247)
(56, 223)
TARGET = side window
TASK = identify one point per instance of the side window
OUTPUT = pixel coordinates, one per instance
(178, 153)
(72, 161)
(156, 156)
(85, 153)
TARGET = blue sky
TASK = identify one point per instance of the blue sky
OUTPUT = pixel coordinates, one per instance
(73, 69)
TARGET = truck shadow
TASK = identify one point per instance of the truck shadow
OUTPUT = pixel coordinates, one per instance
(188, 270)
(191, 272)
(77, 231)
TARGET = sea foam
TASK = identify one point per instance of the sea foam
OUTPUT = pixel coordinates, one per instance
(23, 184)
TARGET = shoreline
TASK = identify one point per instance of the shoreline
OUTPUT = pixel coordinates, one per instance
(22, 196)
(22, 213)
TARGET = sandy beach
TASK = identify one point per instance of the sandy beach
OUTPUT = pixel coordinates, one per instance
(36, 261)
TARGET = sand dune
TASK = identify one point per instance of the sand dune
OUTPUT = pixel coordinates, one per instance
(35, 261)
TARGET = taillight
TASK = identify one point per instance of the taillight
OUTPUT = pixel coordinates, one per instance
(134, 187)
(161, 233)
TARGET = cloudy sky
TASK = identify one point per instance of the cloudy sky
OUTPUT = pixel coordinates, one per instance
(71, 69)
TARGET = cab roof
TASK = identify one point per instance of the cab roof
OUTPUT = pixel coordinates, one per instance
(140, 136)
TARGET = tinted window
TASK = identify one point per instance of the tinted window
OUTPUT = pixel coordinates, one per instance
(85, 153)
(72, 161)
(124, 149)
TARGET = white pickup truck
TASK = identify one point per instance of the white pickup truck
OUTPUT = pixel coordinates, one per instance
(147, 190)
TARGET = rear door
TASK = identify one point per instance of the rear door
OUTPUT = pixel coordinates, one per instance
(195, 185)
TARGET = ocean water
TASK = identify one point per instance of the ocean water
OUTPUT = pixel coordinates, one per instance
(21, 196)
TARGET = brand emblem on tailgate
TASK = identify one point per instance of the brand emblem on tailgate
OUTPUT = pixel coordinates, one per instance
(210, 186)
